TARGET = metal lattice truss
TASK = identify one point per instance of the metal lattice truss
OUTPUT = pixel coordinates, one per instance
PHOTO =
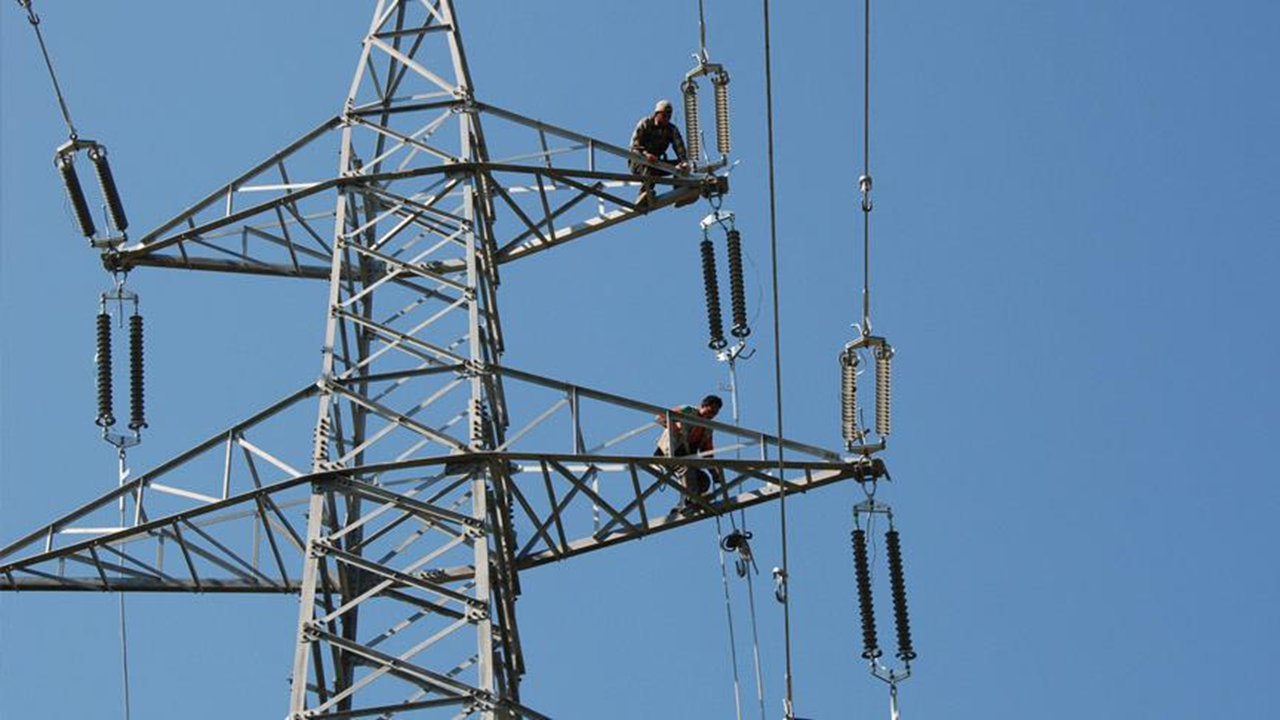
(411, 178)
(231, 515)
(402, 493)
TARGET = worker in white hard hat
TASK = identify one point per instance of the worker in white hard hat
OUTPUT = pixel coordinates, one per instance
(653, 135)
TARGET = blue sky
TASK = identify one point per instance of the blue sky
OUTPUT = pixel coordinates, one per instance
(1074, 252)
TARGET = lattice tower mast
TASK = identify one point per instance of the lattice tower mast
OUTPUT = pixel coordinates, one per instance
(413, 507)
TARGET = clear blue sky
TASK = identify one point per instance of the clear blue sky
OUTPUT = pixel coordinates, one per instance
(1075, 253)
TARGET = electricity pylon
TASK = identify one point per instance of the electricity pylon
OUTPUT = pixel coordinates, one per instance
(427, 483)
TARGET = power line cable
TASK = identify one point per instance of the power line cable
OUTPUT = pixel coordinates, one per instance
(57, 89)
(789, 704)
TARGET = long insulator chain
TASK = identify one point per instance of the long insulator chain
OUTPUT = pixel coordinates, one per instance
(715, 325)
(105, 417)
(107, 182)
(720, 82)
(137, 400)
(898, 586)
(737, 284)
(870, 648)
(849, 397)
(884, 390)
(75, 193)
(692, 127)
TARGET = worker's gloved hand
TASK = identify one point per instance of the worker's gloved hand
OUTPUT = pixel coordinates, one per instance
(683, 166)
(651, 157)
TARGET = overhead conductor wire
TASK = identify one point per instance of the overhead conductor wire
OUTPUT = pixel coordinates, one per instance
(789, 705)
(864, 182)
(57, 89)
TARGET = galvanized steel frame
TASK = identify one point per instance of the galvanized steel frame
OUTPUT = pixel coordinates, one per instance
(413, 509)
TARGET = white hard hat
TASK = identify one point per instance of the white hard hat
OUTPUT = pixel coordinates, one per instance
(663, 105)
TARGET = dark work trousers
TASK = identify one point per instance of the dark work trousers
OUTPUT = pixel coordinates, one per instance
(647, 191)
(696, 481)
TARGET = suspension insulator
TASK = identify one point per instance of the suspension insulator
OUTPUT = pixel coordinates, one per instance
(105, 417)
(870, 648)
(720, 82)
(691, 125)
(737, 285)
(849, 397)
(137, 407)
(884, 390)
(712, 289)
(898, 586)
(106, 181)
(75, 193)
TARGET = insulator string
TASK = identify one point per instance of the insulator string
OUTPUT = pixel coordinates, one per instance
(107, 182)
(711, 288)
(866, 606)
(737, 284)
(884, 390)
(693, 129)
(65, 163)
(105, 417)
(720, 84)
(898, 586)
(849, 397)
(137, 402)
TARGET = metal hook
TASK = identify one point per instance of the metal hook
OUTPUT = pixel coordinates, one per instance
(780, 584)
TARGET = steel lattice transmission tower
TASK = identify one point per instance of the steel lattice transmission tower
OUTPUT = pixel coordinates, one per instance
(427, 482)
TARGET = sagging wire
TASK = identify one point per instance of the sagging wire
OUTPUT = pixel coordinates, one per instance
(871, 651)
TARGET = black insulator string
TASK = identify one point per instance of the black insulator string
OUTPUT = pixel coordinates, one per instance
(137, 411)
(737, 284)
(862, 568)
(711, 288)
(107, 182)
(105, 417)
(898, 586)
(75, 193)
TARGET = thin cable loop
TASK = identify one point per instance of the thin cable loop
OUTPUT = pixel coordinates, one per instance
(728, 611)
(789, 705)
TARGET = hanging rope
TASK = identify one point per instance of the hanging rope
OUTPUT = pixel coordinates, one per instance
(738, 541)
(788, 702)
(57, 89)
(728, 611)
